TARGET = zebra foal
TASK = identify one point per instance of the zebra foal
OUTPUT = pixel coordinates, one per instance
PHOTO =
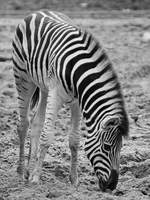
(57, 62)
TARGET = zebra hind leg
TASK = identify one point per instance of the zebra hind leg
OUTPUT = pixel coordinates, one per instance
(25, 91)
(74, 143)
(54, 103)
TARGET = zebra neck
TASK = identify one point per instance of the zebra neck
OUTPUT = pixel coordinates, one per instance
(102, 105)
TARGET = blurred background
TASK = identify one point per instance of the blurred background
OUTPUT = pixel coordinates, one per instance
(74, 4)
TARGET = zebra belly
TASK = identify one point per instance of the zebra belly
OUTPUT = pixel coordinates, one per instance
(51, 85)
(63, 95)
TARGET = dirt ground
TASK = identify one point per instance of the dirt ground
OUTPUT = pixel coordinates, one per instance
(122, 37)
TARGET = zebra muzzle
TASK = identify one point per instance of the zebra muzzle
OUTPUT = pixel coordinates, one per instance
(113, 180)
(111, 184)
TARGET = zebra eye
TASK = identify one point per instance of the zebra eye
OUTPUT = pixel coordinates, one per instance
(110, 123)
(107, 147)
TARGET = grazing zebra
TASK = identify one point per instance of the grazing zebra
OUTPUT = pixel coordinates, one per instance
(57, 62)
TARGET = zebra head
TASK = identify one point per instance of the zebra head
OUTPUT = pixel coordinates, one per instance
(103, 150)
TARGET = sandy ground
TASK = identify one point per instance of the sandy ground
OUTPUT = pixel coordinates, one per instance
(122, 38)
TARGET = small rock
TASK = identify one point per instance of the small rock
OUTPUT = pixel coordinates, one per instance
(9, 93)
(53, 194)
(92, 182)
(60, 172)
(144, 192)
(84, 5)
(66, 156)
(146, 37)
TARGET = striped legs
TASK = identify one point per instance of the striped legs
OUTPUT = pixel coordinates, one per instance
(44, 116)
(74, 143)
(25, 91)
(54, 103)
(36, 129)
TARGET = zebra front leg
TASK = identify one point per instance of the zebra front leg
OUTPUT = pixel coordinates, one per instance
(36, 128)
(21, 131)
(74, 143)
(47, 136)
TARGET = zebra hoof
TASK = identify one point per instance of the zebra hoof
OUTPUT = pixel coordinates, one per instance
(74, 181)
(26, 174)
(23, 173)
(20, 170)
(34, 178)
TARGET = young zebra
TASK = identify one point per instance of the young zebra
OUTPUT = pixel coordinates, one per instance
(54, 58)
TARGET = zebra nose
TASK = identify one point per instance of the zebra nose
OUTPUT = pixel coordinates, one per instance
(111, 184)
(113, 180)
(102, 185)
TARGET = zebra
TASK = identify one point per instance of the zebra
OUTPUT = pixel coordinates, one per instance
(57, 62)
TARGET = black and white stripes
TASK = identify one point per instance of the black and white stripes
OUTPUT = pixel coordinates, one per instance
(50, 52)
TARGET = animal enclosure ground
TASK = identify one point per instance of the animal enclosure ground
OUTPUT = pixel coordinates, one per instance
(122, 37)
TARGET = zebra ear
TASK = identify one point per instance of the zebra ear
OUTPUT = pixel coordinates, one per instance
(111, 122)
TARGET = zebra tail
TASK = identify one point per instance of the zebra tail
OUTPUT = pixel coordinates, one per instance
(35, 99)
